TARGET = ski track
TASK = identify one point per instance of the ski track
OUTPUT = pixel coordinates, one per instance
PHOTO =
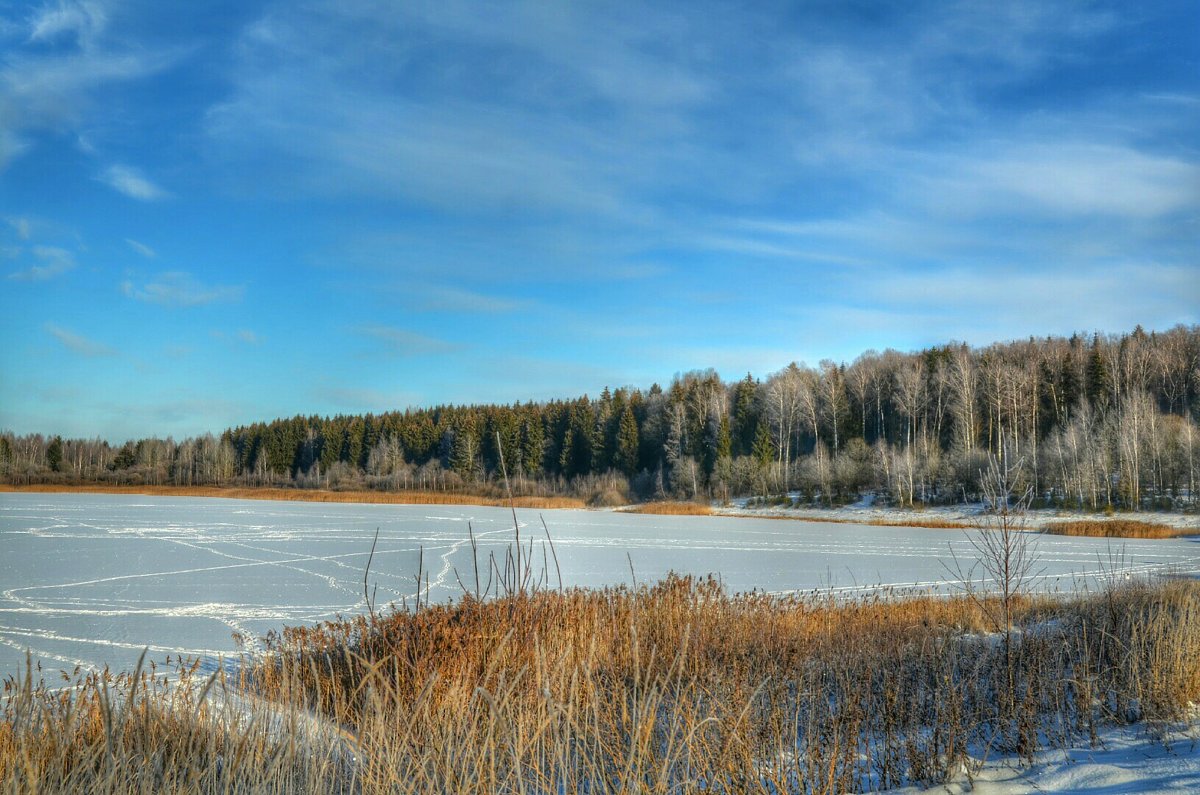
(219, 557)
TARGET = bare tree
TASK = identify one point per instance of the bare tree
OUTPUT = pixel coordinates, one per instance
(833, 398)
(1006, 558)
(911, 395)
(1005, 550)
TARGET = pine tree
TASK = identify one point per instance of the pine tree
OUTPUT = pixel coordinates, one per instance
(566, 456)
(125, 458)
(764, 451)
(54, 454)
(1098, 378)
(724, 440)
(465, 453)
(745, 417)
(627, 442)
(533, 443)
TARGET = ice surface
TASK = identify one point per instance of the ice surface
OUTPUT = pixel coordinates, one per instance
(88, 579)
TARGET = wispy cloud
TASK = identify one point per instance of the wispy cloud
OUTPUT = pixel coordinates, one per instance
(84, 21)
(52, 262)
(959, 303)
(131, 182)
(141, 248)
(565, 128)
(402, 342)
(449, 299)
(178, 288)
(1062, 178)
(53, 67)
(21, 226)
(356, 400)
(242, 336)
(78, 343)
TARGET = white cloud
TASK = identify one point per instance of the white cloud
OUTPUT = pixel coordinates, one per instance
(52, 69)
(53, 262)
(77, 343)
(132, 183)
(141, 248)
(401, 342)
(359, 400)
(447, 299)
(84, 20)
(249, 337)
(178, 288)
(982, 305)
(523, 109)
(21, 226)
(1064, 178)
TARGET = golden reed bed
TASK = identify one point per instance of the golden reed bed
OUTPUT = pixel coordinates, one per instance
(1118, 528)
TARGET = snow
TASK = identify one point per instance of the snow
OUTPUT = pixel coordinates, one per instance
(866, 510)
(1126, 760)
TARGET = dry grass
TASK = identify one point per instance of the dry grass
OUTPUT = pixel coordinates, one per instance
(679, 687)
(918, 521)
(1118, 528)
(672, 508)
(308, 495)
(903, 521)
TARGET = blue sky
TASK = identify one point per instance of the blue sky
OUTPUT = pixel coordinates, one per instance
(215, 213)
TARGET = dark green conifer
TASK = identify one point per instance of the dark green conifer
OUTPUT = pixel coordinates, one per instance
(764, 450)
(627, 442)
(54, 454)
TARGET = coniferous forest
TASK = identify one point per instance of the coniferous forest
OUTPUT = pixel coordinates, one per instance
(1096, 422)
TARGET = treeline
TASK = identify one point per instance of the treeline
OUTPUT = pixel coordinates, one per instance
(1095, 422)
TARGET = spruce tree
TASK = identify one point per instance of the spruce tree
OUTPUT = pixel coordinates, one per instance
(54, 454)
(745, 417)
(627, 442)
(764, 451)
(533, 444)
(724, 440)
(1098, 378)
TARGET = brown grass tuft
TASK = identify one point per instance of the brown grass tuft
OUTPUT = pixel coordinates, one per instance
(916, 521)
(1118, 528)
(906, 520)
(672, 508)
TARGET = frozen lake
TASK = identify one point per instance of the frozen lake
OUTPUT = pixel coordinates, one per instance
(88, 579)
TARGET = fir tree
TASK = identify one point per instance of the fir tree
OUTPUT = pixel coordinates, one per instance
(627, 442)
(125, 458)
(745, 416)
(1098, 378)
(724, 440)
(54, 454)
(764, 450)
(533, 443)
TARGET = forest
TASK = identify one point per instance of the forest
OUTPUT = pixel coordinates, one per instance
(1096, 422)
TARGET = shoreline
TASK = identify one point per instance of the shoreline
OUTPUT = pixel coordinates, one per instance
(938, 517)
(268, 493)
(952, 516)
